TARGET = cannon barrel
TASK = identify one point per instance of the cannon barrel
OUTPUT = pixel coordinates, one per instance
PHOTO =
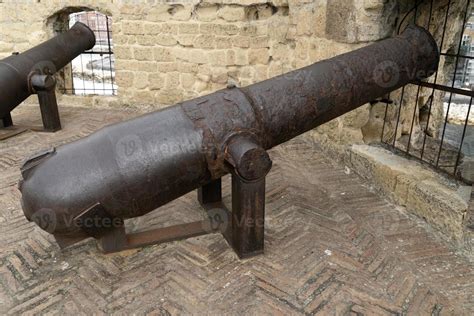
(133, 167)
(44, 59)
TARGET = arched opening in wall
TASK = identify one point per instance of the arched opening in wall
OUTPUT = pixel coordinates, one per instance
(92, 72)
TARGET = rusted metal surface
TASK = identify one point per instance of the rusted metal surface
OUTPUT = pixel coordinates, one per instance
(20, 74)
(133, 167)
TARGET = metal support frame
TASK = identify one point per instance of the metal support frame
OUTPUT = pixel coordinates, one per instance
(44, 86)
(6, 121)
(243, 228)
(7, 129)
(248, 216)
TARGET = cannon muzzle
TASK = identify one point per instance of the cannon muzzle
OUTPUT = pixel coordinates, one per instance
(18, 73)
(131, 168)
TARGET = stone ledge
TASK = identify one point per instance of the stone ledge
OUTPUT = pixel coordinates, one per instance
(442, 203)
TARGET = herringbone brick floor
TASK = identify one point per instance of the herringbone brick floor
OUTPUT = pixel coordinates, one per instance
(332, 247)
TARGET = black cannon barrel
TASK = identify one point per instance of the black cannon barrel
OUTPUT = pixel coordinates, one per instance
(133, 167)
(46, 58)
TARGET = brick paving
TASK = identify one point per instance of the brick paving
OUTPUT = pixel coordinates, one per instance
(332, 247)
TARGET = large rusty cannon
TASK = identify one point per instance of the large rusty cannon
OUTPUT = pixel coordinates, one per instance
(87, 188)
(32, 72)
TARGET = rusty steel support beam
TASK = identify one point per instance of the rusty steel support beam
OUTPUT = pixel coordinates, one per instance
(133, 167)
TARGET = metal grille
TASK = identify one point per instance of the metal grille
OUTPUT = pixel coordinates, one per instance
(93, 72)
(442, 139)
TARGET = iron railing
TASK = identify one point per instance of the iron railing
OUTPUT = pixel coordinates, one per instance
(451, 143)
(93, 72)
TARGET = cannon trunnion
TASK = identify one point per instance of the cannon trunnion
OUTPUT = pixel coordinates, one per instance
(87, 188)
(32, 72)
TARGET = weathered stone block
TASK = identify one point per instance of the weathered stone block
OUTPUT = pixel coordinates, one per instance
(6, 47)
(163, 54)
(164, 67)
(278, 29)
(188, 28)
(373, 4)
(169, 28)
(196, 56)
(223, 42)
(156, 81)
(187, 67)
(180, 12)
(165, 40)
(168, 97)
(219, 75)
(124, 78)
(258, 56)
(218, 57)
(340, 21)
(241, 57)
(360, 21)
(158, 13)
(185, 39)
(226, 29)
(232, 13)
(280, 52)
(147, 66)
(143, 53)
(172, 80)
(204, 41)
(146, 40)
(248, 30)
(261, 72)
(132, 28)
(259, 42)
(301, 49)
(241, 41)
(204, 78)
(424, 193)
(141, 80)
(144, 97)
(207, 12)
(304, 22)
(187, 80)
(357, 118)
(152, 28)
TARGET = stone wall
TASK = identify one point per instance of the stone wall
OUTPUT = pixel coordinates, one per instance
(167, 52)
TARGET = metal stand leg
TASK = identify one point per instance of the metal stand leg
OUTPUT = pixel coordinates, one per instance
(210, 193)
(7, 129)
(44, 86)
(251, 164)
(6, 121)
(49, 110)
(114, 240)
(248, 216)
